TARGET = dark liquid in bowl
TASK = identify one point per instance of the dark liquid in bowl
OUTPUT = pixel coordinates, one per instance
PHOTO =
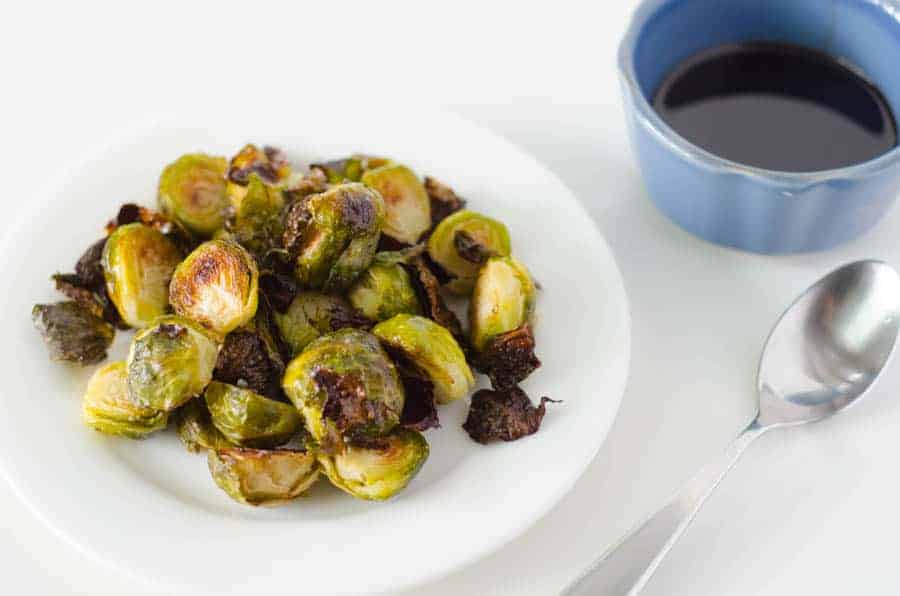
(776, 106)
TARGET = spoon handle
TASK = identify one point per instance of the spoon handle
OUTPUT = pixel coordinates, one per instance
(625, 568)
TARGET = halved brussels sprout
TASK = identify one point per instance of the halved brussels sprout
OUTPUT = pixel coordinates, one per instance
(257, 220)
(466, 227)
(379, 469)
(72, 333)
(106, 406)
(432, 349)
(217, 286)
(312, 314)
(346, 387)
(192, 192)
(249, 419)
(262, 477)
(194, 426)
(503, 300)
(138, 263)
(169, 363)
(385, 289)
(332, 235)
(269, 164)
(407, 206)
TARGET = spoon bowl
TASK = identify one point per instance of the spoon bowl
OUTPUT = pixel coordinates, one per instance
(830, 345)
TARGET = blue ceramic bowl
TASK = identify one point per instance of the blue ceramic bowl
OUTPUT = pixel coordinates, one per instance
(751, 208)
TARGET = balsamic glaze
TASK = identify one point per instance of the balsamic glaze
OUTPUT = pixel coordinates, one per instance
(776, 106)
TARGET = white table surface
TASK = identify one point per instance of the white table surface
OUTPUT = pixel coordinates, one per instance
(810, 509)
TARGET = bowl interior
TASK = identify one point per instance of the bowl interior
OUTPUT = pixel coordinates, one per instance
(863, 33)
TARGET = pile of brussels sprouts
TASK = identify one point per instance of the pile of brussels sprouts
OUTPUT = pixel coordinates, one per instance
(290, 323)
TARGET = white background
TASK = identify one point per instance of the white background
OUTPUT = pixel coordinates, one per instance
(809, 509)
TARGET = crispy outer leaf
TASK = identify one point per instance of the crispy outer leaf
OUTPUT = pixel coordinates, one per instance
(443, 200)
(509, 358)
(505, 415)
(246, 361)
(72, 332)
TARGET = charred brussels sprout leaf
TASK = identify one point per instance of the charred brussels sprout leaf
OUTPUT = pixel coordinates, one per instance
(407, 207)
(503, 300)
(169, 363)
(261, 477)
(385, 289)
(380, 468)
(428, 289)
(192, 192)
(332, 235)
(72, 333)
(87, 286)
(257, 221)
(312, 314)
(216, 286)
(249, 419)
(419, 408)
(248, 361)
(107, 408)
(138, 262)
(443, 246)
(195, 428)
(346, 387)
(443, 200)
(504, 415)
(89, 267)
(433, 350)
(509, 358)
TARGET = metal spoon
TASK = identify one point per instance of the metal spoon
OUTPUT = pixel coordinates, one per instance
(824, 353)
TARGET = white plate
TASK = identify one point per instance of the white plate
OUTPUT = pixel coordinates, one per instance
(149, 508)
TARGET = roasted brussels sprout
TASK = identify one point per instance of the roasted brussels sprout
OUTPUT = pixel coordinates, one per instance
(385, 289)
(346, 387)
(503, 415)
(332, 236)
(312, 314)
(192, 192)
(249, 419)
(503, 300)
(138, 263)
(194, 426)
(380, 468)
(107, 407)
(257, 220)
(464, 229)
(169, 363)
(407, 206)
(433, 350)
(269, 164)
(217, 286)
(72, 333)
(131, 213)
(262, 477)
